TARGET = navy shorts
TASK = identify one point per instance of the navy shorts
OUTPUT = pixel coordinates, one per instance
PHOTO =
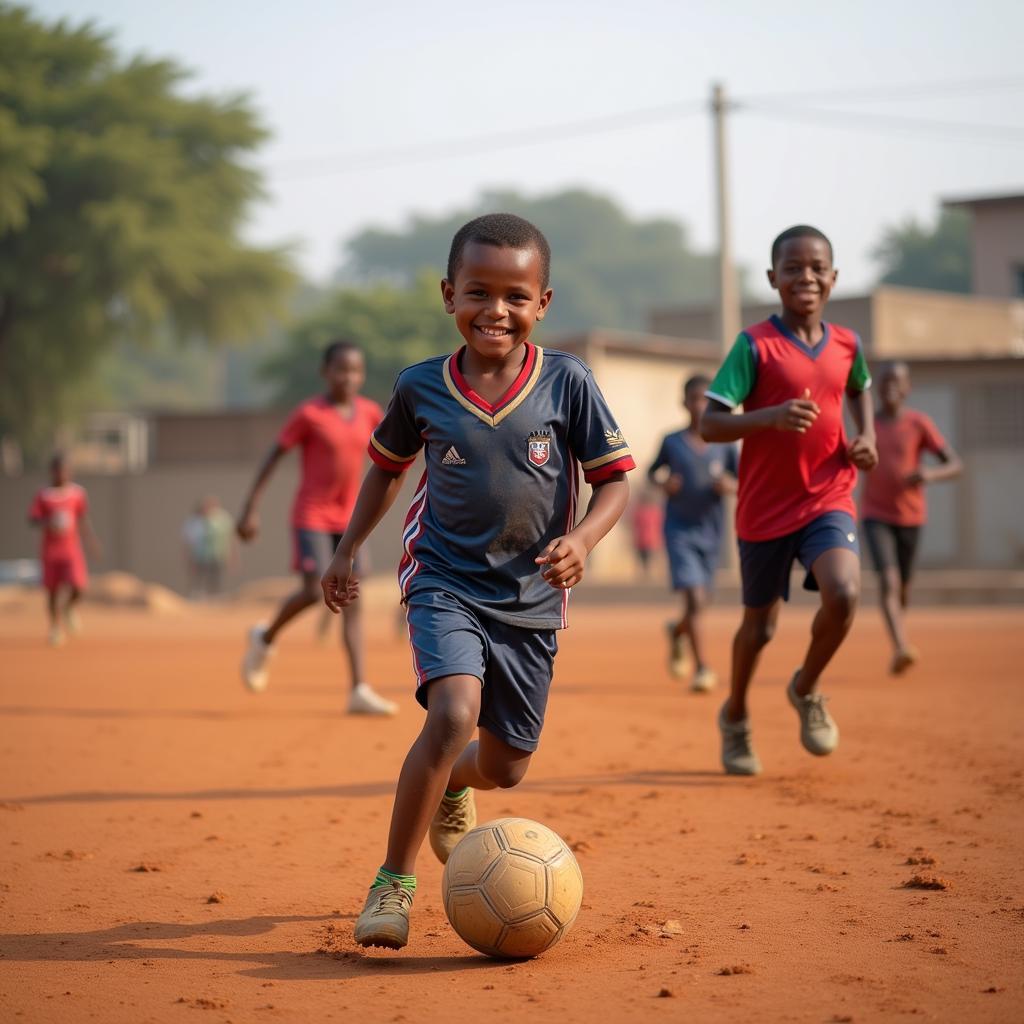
(692, 559)
(765, 564)
(513, 664)
(892, 546)
(312, 551)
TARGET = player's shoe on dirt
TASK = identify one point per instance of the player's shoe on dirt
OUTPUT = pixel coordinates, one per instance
(73, 622)
(55, 638)
(255, 671)
(738, 757)
(385, 917)
(679, 660)
(454, 818)
(704, 681)
(903, 659)
(366, 701)
(818, 732)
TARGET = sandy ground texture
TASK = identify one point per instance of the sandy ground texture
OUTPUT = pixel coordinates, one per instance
(175, 849)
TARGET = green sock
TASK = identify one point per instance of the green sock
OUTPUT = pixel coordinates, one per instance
(457, 794)
(385, 877)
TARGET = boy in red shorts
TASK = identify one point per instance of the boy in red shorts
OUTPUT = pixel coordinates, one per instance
(62, 512)
(893, 506)
(332, 431)
(796, 478)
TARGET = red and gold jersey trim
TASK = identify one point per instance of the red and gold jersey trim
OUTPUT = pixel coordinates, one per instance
(387, 459)
(517, 393)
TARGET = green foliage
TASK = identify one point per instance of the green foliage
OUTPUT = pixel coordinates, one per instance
(607, 270)
(918, 256)
(120, 206)
(395, 326)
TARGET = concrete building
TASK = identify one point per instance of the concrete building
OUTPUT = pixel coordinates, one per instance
(997, 244)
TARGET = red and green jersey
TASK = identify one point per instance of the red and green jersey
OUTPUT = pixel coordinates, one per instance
(787, 479)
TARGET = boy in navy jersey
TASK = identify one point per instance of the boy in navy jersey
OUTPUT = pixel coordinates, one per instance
(491, 546)
(796, 479)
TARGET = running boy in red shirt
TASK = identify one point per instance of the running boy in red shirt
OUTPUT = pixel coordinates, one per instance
(796, 478)
(62, 511)
(893, 506)
(491, 546)
(332, 430)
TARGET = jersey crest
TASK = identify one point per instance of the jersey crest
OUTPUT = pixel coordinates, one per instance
(538, 447)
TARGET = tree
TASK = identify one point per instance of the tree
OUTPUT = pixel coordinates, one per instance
(607, 270)
(919, 256)
(120, 205)
(394, 325)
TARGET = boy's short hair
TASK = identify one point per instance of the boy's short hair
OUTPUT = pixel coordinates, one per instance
(799, 231)
(892, 366)
(505, 231)
(697, 380)
(338, 346)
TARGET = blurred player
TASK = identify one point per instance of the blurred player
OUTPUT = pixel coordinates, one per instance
(332, 431)
(694, 475)
(893, 506)
(647, 529)
(796, 480)
(62, 512)
(491, 542)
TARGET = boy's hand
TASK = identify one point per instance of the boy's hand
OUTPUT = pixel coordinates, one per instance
(915, 478)
(673, 485)
(798, 414)
(248, 526)
(339, 585)
(862, 452)
(565, 558)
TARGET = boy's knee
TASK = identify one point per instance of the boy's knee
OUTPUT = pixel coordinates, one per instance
(504, 774)
(842, 596)
(758, 632)
(453, 723)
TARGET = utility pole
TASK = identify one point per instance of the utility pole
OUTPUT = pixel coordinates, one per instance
(729, 313)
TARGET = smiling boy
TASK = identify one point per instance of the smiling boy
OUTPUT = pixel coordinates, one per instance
(491, 546)
(796, 478)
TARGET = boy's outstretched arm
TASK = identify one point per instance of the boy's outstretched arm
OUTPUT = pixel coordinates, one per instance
(950, 466)
(248, 525)
(720, 423)
(566, 556)
(376, 496)
(862, 450)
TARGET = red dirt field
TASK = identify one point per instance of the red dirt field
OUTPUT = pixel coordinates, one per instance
(175, 849)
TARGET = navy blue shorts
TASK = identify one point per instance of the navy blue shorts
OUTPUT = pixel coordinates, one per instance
(692, 558)
(312, 551)
(765, 564)
(513, 664)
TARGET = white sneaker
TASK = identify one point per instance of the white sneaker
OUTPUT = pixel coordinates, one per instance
(56, 637)
(255, 673)
(74, 623)
(366, 701)
(704, 680)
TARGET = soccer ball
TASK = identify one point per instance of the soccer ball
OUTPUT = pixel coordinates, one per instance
(512, 888)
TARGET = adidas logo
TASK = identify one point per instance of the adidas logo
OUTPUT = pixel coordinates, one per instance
(452, 458)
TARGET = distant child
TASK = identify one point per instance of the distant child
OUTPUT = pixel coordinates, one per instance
(893, 506)
(62, 512)
(491, 542)
(647, 527)
(332, 431)
(796, 480)
(694, 476)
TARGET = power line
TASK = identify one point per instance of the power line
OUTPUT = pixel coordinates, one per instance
(888, 93)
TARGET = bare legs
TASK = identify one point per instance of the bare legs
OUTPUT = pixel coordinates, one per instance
(691, 624)
(893, 598)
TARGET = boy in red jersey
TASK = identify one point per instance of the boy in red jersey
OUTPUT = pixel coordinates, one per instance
(893, 506)
(796, 478)
(333, 431)
(62, 511)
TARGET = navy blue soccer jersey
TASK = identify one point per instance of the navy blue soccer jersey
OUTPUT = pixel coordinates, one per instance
(500, 481)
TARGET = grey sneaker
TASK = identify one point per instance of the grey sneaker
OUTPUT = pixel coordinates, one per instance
(454, 818)
(385, 917)
(818, 732)
(679, 660)
(738, 757)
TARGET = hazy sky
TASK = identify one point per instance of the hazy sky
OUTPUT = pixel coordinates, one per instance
(333, 78)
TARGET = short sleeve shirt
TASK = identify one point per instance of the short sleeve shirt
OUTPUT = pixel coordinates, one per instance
(333, 455)
(901, 443)
(500, 481)
(787, 479)
(697, 506)
(60, 510)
